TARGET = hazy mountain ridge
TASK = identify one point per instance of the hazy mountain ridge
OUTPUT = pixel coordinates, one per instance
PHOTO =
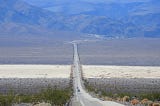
(16, 14)
(143, 13)
(21, 12)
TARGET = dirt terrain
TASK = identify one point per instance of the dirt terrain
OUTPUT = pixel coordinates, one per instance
(33, 78)
(55, 53)
(123, 79)
(135, 51)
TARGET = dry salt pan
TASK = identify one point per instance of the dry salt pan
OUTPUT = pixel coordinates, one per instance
(93, 71)
(35, 71)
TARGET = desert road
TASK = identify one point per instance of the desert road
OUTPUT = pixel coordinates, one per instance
(83, 97)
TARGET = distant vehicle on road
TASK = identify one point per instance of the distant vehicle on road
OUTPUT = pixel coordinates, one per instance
(78, 89)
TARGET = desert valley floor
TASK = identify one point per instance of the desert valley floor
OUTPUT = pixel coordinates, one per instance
(25, 77)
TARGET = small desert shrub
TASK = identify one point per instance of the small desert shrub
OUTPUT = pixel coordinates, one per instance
(89, 87)
(151, 96)
(126, 99)
(155, 104)
(134, 102)
(7, 100)
(53, 96)
(154, 96)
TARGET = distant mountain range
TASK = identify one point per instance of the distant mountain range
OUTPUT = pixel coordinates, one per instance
(108, 18)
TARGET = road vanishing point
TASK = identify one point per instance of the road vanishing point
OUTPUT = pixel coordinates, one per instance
(81, 96)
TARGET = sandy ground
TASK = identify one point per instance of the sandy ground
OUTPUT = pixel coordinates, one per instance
(121, 52)
(93, 71)
(35, 71)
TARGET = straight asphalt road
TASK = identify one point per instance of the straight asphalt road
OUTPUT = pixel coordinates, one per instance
(81, 96)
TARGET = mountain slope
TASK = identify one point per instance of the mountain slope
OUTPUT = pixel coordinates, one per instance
(20, 12)
(142, 13)
(21, 18)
